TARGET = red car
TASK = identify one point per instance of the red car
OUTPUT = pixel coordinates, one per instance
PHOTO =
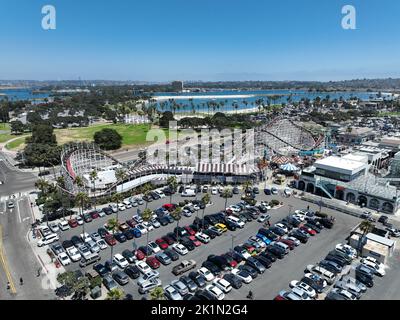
(73, 223)
(250, 249)
(168, 240)
(94, 214)
(139, 255)
(194, 240)
(153, 262)
(279, 298)
(162, 244)
(132, 223)
(109, 238)
(288, 242)
(233, 263)
(190, 231)
(308, 230)
(169, 206)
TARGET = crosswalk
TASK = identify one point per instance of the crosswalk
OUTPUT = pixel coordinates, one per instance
(13, 197)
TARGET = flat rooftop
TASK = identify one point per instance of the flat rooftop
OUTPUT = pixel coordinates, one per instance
(334, 162)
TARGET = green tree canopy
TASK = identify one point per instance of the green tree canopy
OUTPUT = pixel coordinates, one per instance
(108, 139)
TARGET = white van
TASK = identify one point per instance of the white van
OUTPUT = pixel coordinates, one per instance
(53, 237)
(239, 223)
(188, 193)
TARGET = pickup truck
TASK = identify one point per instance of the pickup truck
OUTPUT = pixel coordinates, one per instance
(184, 266)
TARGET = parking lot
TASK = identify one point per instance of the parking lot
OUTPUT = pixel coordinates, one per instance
(268, 284)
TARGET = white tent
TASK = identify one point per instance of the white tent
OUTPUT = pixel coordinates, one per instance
(288, 167)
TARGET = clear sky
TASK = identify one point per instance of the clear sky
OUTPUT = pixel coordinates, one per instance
(162, 40)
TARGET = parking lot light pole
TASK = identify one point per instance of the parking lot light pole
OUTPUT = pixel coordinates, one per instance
(290, 209)
(233, 238)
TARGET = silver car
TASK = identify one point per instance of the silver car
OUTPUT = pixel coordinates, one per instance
(93, 246)
(180, 287)
(171, 293)
(163, 258)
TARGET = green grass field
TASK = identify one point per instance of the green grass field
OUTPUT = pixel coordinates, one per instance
(16, 144)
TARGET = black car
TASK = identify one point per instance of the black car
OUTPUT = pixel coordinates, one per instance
(365, 279)
(169, 218)
(205, 295)
(339, 260)
(194, 227)
(212, 234)
(172, 235)
(210, 219)
(331, 266)
(315, 223)
(188, 282)
(215, 270)
(203, 224)
(299, 236)
(234, 280)
(256, 190)
(171, 254)
(326, 222)
(277, 231)
(168, 239)
(276, 251)
(313, 227)
(145, 250)
(246, 216)
(198, 279)
(132, 271)
(255, 264)
(120, 237)
(253, 272)
(219, 261)
(67, 244)
(76, 241)
(235, 256)
(230, 225)
(107, 210)
(269, 234)
(154, 195)
(264, 261)
(100, 269)
(129, 234)
(270, 256)
(383, 219)
(147, 198)
(220, 217)
(129, 256)
(181, 232)
(188, 244)
(344, 256)
(163, 220)
(102, 232)
(334, 296)
(316, 285)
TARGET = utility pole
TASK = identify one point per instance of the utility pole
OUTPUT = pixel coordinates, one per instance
(233, 238)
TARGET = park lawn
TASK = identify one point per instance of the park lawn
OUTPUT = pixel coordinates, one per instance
(5, 137)
(132, 134)
(17, 144)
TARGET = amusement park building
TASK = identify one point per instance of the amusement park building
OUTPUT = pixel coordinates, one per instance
(349, 180)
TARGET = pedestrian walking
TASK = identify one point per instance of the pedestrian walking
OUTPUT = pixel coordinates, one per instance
(21, 281)
(8, 285)
(268, 223)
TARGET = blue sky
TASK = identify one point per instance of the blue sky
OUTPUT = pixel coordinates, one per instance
(162, 40)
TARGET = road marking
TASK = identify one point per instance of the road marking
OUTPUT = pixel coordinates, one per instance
(19, 213)
(27, 218)
(4, 263)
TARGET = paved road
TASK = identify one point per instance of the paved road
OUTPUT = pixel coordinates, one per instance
(269, 284)
(14, 180)
(18, 257)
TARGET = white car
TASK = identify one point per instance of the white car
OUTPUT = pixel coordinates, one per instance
(74, 254)
(53, 237)
(148, 226)
(154, 247)
(160, 193)
(93, 246)
(180, 248)
(257, 240)
(381, 265)
(235, 208)
(114, 207)
(63, 225)
(101, 213)
(64, 259)
(348, 295)
(282, 226)
(155, 223)
(346, 249)
(54, 227)
(299, 217)
(288, 191)
(215, 292)
(303, 286)
(186, 213)
(214, 190)
(263, 217)
(142, 228)
(102, 244)
(120, 261)
(379, 270)
(202, 237)
(244, 276)
(206, 274)
(143, 267)
(121, 207)
(79, 220)
(222, 284)
(95, 236)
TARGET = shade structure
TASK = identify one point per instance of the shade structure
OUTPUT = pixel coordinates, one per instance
(288, 167)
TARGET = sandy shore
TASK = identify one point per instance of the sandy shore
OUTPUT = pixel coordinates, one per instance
(230, 96)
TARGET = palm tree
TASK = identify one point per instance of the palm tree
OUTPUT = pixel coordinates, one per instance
(42, 185)
(246, 186)
(115, 294)
(177, 215)
(83, 199)
(157, 294)
(117, 198)
(93, 176)
(205, 199)
(113, 226)
(79, 182)
(365, 227)
(146, 191)
(121, 175)
(146, 216)
(226, 193)
(173, 184)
